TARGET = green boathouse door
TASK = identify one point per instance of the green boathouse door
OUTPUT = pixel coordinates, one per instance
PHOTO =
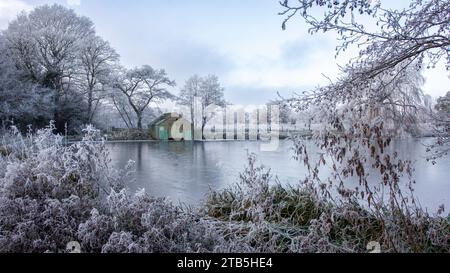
(163, 134)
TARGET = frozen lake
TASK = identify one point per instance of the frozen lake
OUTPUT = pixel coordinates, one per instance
(185, 172)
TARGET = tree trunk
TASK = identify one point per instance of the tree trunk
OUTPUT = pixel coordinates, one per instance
(90, 115)
(139, 121)
(192, 122)
(204, 120)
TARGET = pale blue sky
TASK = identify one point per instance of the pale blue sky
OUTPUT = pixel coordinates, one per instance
(239, 40)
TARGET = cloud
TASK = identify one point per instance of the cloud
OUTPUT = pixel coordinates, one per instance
(179, 55)
(9, 10)
(437, 80)
(295, 64)
(73, 2)
(188, 58)
(259, 95)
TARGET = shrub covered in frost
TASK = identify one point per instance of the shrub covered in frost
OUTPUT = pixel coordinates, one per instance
(47, 189)
(301, 219)
(140, 223)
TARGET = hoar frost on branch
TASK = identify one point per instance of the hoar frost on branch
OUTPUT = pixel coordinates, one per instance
(139, 87)
(398, 40)
(208, 91)
(376, 98)
(378, 94)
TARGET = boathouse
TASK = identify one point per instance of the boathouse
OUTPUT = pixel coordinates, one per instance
(171, 126)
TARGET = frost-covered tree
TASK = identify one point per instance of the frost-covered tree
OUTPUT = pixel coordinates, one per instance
(21, 102)
(123, 108)
(442, 146)
(378, 90)
(138, 88)
(390, 42)
(286, 112)
(396, 41)
(45, 45)
(98, 62)
(189, 92)
(207, 90)
(402, 104)
(443, 104)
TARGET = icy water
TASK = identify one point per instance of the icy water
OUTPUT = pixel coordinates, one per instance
(185, 172)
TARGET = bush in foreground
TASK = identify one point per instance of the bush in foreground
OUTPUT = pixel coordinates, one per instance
(301, 219)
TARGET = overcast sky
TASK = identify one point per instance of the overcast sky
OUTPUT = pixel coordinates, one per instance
(241, 41)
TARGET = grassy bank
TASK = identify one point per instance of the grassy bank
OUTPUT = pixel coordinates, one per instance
(299, 219)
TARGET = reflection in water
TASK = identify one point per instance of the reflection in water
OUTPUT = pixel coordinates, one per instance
(185, 171)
